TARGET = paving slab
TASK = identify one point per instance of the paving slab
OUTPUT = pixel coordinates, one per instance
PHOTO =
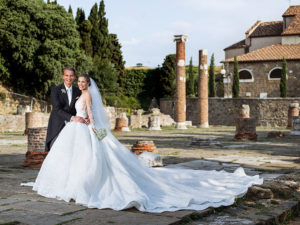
(45, 207)
(224, 220)
(95, 216)
(267, 157)
(33, 218)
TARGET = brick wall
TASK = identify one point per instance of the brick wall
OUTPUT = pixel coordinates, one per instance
(36, 139)
(223, 111)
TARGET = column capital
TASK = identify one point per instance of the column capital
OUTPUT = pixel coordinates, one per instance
(180, 38)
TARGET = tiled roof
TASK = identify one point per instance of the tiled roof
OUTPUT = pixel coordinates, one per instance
(294, 27)
(273, 28)
(239, 44)
(271, 53)
(292, 11)
(253, 27)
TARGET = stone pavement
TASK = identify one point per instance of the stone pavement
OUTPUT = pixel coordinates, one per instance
(277, 160)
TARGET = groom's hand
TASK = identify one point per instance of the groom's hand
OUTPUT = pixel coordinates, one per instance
(78, 119)
(87, 120)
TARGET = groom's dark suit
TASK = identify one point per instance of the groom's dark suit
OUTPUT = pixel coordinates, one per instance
(61, 111)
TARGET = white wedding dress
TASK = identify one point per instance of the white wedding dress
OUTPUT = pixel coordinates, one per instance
(105, 174)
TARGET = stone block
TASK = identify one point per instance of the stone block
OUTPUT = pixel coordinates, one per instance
(295, 126)
(245, 129)
(154, 122)
(204, 141)
(150, 159)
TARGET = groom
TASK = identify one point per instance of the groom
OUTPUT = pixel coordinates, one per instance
(63, 98)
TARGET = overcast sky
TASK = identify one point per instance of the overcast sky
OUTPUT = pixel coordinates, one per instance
(145, 28)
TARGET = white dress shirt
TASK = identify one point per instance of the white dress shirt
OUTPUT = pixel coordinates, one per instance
(69, 92)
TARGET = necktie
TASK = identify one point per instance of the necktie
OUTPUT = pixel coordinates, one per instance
(69, 95)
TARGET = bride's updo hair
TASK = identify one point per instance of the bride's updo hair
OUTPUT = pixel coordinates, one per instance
(87, 78)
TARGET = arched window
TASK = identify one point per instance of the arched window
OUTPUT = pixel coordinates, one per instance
(246, 75)
(275, 73)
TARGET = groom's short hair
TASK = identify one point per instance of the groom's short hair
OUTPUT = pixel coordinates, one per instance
(69, 68)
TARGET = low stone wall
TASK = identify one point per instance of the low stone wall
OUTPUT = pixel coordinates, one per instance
(12, 123)
(224, 111)
(137, 119)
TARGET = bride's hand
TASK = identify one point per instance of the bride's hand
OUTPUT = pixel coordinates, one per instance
(87, 121)
(95, 130)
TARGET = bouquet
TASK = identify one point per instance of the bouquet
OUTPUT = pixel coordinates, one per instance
(100, 133)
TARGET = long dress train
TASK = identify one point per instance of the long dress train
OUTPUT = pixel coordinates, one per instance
(105, 174)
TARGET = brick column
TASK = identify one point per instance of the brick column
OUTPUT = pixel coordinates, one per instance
(180, 116)
(35, 154)
(203, 90)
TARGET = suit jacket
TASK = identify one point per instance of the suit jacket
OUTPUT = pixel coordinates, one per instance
(61, 111)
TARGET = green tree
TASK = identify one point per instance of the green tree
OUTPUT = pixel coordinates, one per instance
(37, 40)
(168, 76)
(236, 79)
(99, 34)
(85, 29)
(4, 72)
(151, 88)
(211, 82)
(134, 81)
(106, 76)
(117, 60)
(70, 10)
(80, 16)
(105, 46)
(95, 32)
(283, 81)
(190, 83)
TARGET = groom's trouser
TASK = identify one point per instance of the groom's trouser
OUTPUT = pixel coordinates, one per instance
(52, 142)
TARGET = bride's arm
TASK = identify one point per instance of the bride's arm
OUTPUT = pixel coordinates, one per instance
(88, 101)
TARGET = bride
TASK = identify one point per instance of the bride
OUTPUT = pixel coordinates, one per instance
(105, 174)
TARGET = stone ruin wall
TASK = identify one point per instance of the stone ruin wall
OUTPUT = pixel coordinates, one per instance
(224, 111)
(137, 119)
(17, 104)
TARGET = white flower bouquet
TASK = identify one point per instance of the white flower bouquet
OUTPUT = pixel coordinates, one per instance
(100, 133)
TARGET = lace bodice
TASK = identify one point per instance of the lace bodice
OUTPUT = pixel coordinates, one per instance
(83, 107)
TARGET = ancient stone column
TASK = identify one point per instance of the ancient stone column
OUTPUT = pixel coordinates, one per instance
(143, 146)
(203, 90)
(245, 125)
(245, 111)
(35, 119)
(293, 111)
(295, 126)
(154, 123)
(180, 110)
(36, 154)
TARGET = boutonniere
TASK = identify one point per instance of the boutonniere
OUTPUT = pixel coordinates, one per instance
(63, 91)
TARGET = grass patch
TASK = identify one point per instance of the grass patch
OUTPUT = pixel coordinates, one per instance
(174, 153)
(274, 202)
(263, 212)
(11, 223)
(4, 170)
(19, 145)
